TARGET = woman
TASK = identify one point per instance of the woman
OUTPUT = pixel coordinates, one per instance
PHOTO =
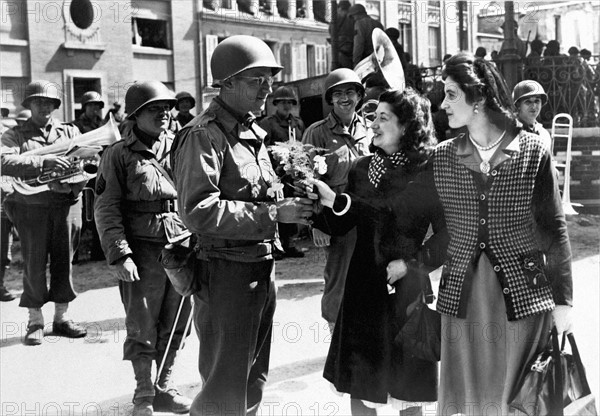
(363, 360)
(529, 97)
(509, 259)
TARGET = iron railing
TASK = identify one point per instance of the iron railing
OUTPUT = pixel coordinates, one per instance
(572, 86)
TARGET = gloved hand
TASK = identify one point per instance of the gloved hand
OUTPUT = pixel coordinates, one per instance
(563, 318)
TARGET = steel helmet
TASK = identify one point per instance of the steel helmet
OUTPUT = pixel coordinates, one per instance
(341, 76)
(528, 88)
(91, 97)
(284, 93)
(184, 95)
(238, 53)
(146, 92)
(356, 9)
(23, 115)
(42, 88)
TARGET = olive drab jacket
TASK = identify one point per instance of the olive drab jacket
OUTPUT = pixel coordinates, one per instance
(20, 139)
(134, 199)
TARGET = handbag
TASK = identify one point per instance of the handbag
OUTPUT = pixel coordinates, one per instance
(181, 266)
(421, 333)
(554, 383)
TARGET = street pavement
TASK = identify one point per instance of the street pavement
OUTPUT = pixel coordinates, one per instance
(88, 377)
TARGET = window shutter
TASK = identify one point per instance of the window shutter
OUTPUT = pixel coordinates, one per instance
(211, 43)
(321, 59)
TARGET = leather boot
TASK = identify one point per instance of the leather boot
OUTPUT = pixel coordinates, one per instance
(144, 389)
(168, 398)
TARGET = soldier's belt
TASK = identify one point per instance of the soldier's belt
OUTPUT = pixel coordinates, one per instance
(154, 207)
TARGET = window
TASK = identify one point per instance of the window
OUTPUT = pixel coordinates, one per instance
(12, 89)
(435, 46)
(300, 61)
(80, 87)
(406, 11)
(374, 9)
(150, 24)
(462, 27)
(282, 8)
(217, 4)
(320, 11)
(211, 43)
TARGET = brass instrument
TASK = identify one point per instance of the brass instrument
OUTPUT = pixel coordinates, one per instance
(562, 127)
(383, 67)
(83, 152)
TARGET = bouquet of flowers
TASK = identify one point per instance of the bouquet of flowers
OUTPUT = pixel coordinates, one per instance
(296, 165)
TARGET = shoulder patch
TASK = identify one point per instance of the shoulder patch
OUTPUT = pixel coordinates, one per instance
(100, 185)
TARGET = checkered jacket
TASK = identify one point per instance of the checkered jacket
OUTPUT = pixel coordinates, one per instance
(495, 218)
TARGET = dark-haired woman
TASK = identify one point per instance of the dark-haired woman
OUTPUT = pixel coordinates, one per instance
(508, 266)
(363, 360)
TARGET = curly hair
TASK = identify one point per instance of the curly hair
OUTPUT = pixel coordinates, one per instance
(414, 112)
(479, 79)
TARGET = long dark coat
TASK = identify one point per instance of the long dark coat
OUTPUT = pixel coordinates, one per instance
(363, 359)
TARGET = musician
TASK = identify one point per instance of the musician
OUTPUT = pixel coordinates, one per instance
(280, 127)
(48, 223)
(136, 215)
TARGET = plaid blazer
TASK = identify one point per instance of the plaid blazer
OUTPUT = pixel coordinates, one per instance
(502, 217)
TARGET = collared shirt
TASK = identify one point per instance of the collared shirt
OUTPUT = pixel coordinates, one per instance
(126, 175)
(223, 172)
(344, 145)
(278, 128)
(21, 139)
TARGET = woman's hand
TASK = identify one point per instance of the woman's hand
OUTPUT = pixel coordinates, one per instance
(563, 318)
(320, 239)
(326, 194)
(396, 270)
(125, 270)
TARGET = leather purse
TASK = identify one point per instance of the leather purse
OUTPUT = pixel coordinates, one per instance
(421, 333)
(554, 383)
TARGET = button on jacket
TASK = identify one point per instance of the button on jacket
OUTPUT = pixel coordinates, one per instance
(223, 173)
(343, 148)
(27, 137)
(127, 174)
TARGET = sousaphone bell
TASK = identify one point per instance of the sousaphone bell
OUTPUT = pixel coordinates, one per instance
(383, 67)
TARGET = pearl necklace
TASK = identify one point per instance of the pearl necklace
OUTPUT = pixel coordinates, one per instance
(485, 166)
(491, 146)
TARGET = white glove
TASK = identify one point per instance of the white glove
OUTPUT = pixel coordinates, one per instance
(563, 318)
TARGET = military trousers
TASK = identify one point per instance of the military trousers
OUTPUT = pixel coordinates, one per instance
(46, 231)
(151, 306)
(234, 321)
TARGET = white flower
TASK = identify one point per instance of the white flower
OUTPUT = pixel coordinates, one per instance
(319, 164)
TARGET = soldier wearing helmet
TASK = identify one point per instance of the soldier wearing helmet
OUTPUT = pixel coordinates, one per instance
(49, 222)
(280, 127)
(136, 215)
(185, 102)
(529, 97)
(227, 200)
(344, 134)
(91, 112)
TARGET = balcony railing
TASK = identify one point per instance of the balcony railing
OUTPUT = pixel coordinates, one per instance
(572, 86)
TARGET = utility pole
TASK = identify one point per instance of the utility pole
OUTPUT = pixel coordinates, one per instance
(333, 33)
(509, 60)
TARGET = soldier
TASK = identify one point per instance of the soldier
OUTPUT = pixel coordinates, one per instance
(280, 127)
(344, 27)
(185, 102)
(48, 223)
(91, 116)
(363, 28)
(136, 216)
(223, 176)
(344, 134)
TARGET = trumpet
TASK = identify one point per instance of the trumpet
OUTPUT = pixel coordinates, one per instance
(83, 152)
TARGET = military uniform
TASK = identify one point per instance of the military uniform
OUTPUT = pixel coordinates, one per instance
(48, 223)
(344, 146)
(135, 215)
(86, 124)
(223, 173)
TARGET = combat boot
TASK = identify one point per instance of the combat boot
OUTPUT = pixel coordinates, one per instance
(143, 396)
(168, 398)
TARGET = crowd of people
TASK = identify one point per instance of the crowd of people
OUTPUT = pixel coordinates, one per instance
(488, 192)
